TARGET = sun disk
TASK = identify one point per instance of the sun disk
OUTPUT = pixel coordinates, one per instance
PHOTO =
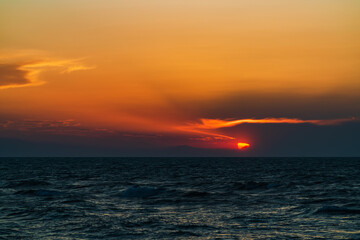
(243, 145)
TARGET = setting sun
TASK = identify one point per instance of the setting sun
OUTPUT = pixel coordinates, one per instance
(243, 145)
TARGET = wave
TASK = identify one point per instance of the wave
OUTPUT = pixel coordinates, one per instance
(73, 201)
(331, 209)
(252, 185)
(196, 194)
(185, 233)
(28, 183)
(144, 192)
(141, 192)
(40, 193)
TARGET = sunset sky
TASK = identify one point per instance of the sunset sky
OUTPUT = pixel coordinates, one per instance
(171, 77)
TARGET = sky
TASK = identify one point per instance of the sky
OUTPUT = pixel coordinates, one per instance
(179, 78)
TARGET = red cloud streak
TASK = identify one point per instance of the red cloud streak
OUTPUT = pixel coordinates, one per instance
(219, 123)
(206, 125)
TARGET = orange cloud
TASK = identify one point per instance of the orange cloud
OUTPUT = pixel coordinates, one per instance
(206, 125)
(27, 74)
(218, 123)
(12, 75)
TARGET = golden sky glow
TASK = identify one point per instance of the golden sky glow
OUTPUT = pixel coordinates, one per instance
(152, 66)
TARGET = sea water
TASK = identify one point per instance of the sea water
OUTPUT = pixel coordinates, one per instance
(179, 198)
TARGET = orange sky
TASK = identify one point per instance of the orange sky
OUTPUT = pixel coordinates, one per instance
(151, 66)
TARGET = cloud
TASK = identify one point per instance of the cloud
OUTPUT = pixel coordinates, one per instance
(15, 75)
(68, 127)
(205, 125)
(12, 75)
(218, 123)
(57, 127)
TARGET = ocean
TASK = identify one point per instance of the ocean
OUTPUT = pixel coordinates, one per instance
(179, 198)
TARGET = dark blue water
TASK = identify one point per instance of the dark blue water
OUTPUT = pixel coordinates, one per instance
(180, 198)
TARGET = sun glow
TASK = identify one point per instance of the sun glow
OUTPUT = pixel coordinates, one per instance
(243, 145)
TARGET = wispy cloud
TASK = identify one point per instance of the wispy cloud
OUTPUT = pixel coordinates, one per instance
(11, 76)
(68, 127)
(14, 75)
(207, 126)
(206, 123)
(58, 127)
